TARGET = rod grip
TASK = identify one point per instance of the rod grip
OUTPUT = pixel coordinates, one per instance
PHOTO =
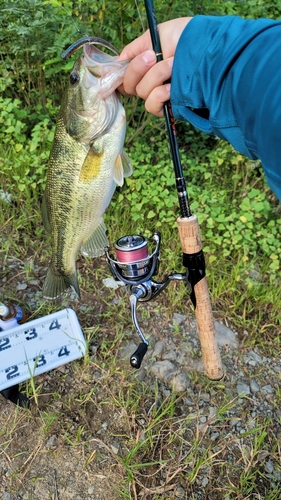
(191, 244)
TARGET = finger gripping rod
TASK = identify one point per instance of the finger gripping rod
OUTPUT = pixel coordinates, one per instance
(189, 234)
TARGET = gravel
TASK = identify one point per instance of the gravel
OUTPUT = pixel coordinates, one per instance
(251, 385)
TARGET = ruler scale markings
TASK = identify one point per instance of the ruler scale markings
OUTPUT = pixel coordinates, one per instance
(39, 346)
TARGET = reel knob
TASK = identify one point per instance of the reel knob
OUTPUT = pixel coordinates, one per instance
(137, 357)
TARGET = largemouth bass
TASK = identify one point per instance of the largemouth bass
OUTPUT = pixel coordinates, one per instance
(86, 164)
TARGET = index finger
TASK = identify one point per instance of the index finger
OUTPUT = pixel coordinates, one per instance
(136, 70)
(136, 47)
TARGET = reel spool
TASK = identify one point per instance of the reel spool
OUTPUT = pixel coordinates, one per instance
(132, 255)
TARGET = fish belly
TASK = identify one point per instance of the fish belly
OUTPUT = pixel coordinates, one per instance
(79, 188)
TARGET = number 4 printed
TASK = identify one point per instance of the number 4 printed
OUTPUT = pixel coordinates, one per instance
(54, 325)
(63, 351)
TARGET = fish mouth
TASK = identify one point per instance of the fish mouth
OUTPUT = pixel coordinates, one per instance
(90, 77)
(103, 67)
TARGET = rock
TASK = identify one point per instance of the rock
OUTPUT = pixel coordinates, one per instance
(180, 382)
(33, 282)
(7, 197)
(269, 466)
(252, 358)
(179, 318)
(93, 349)
(243, 388)
(204, 396)
(256, 357)
(21, 286)
(266, 389)
(212, 411)
(114, 448)
(254, 386)
(225, 336)
(52, 441)
(255, 274)
(164, 370)
(159, 348)
(112, 283)
(205, 481)
(127, 350)
(214, 436)
(180, 492)
(172, 355)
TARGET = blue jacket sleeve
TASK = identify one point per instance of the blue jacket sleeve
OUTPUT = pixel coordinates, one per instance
(230, 68)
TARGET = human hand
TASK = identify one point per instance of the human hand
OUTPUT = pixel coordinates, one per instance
(144, 77)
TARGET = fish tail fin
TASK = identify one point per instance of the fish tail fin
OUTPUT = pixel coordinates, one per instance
(56, 284)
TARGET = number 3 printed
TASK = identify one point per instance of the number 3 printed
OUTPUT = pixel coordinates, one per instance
(39, 361)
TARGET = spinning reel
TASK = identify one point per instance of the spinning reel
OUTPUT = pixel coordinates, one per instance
(134, 266)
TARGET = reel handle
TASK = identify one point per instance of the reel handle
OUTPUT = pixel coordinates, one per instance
(137, 357)
(191, 244)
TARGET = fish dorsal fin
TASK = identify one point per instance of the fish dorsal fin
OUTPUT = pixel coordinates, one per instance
(91, 165)
(45, 217)
(95, 245)
(122, 168)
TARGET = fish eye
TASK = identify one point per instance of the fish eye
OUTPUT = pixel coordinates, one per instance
(74, 78)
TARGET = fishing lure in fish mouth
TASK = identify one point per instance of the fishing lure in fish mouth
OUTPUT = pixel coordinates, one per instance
(88, 40)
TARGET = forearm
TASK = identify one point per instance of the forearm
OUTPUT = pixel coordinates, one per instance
(231, 67)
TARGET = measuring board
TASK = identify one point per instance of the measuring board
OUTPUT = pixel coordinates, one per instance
(39, 346)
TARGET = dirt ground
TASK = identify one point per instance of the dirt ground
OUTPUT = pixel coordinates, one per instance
(98, 430)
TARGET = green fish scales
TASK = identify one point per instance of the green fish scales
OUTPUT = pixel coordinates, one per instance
(86, 163)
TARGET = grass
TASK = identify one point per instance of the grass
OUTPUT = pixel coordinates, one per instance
(164, 450)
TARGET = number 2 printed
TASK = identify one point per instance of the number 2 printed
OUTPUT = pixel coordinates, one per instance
(12, 372)
(4, 344)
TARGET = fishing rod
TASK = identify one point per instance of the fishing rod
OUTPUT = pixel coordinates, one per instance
(188, 227)
(136, 267)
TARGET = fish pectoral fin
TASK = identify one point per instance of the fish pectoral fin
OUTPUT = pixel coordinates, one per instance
(45, 217)
(95, 245)
(56, 284)
(91, 165)
(118, 174)
(127, 166)
(122, 168)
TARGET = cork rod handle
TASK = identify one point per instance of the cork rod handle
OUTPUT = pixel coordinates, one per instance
(191, 244)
